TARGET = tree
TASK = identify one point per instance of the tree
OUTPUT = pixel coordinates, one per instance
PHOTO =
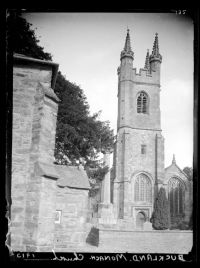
(189, 172)
(22, 39)
(79, 136)
(190, 224)
(96, 171)
(161, 217)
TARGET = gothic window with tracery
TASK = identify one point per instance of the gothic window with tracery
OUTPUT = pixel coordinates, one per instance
(176, 194)
(142, 103)
(143, 189)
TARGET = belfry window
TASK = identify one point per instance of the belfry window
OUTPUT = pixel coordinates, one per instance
(142, 103)
(143, 189)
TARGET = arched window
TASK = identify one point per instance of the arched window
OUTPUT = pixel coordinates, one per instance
(142, 103)
(176, 195)
(143, 189)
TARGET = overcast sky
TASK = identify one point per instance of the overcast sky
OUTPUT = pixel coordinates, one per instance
(87, 48)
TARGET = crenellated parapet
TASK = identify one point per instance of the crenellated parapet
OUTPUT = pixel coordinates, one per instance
(144, 76)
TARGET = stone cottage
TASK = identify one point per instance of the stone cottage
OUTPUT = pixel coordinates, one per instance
(49, 202)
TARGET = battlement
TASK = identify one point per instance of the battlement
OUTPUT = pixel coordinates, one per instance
(142, 72)
(146, 76)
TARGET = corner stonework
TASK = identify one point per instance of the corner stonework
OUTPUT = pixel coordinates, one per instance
(34, 124)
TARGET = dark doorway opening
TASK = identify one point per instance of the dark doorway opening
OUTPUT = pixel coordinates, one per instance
(140, 220)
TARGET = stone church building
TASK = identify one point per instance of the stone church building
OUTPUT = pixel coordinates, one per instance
(50, 205)
(138, 165)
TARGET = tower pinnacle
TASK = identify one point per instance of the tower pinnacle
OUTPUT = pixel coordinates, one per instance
(155, 55)
(147, 64)
(173, 160)
(127, 51)
(127, 46)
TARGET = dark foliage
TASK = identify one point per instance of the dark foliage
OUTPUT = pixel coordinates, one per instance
(22, 39)
(161, 217)
(189, 172)
(190, 224)
(96, 172)
(79, 135)
(93, 237)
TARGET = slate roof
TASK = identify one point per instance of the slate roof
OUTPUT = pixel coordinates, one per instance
(67, 176)
(175, 165)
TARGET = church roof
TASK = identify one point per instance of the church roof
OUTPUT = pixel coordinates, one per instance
(174, 167)
(67, 176)
(72, 177)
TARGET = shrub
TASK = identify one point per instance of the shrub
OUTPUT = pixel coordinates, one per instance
(178, 222)
(93, 237)
(161, 217)
(190, 224)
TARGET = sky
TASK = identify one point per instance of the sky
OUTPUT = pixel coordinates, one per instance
(87, 48)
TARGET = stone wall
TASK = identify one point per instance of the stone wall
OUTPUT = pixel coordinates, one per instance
(130, 161)
(179, 242)
(29, 192)
(72, 230)
(37, 197)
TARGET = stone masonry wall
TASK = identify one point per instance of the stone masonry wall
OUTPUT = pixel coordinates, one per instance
(46, 215)
(28, 103)
(128, 115)
(23, 108)
(179, 242)
(132, 161)
(71, 232)
(48, 131)
(35, 193)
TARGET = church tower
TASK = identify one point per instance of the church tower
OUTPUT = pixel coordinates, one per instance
(139, 148)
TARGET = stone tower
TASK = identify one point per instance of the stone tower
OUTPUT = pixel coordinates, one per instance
(139, 150)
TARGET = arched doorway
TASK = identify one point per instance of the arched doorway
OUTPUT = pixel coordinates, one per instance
(140, 220)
